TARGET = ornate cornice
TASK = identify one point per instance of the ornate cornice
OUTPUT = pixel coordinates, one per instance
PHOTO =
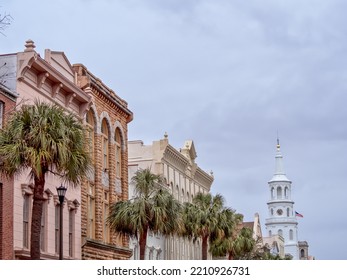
(203, 178)
(87, 79)
(174, 157)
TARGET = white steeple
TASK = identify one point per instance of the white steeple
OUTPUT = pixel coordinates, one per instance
(281, 217)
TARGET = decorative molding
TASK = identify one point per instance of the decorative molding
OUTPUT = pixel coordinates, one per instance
(73, 205)
(56, 89)
(105, 115)
(27, 189)
(56, 200)
(116, 125)
(69, 99)
(41, 78)
(48, 194)
(173, 157)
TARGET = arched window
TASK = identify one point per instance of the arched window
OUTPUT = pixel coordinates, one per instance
(105, 138)
(270, 233)
(302, 253)
(279, 192)
(272, 193)
(90, 133)
(288, 212)
(105, 167)
(291, 234)
(272, 211)
(286, 192)
(280, 232)
(118, 140)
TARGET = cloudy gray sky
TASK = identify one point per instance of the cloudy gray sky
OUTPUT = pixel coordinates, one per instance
(227, 74)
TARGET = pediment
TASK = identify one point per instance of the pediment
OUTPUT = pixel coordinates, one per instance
(59, 61)
(190, 148)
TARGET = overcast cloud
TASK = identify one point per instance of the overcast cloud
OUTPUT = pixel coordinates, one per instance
(228, 75)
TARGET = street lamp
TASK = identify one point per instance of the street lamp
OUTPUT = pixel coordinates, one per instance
(61, 194)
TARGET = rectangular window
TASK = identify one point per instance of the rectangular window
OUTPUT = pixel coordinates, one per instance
(57, 228)
(118, 161)
(71, 232)
(43, 232)
(105, 152)
(158, 257)
(105, 215)
(91, 211)
(136, 252)
(26, 220)
(1, 114)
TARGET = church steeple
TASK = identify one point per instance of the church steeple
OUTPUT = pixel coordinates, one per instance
(281, 220)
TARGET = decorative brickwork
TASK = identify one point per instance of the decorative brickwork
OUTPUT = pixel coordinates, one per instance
(107, 108)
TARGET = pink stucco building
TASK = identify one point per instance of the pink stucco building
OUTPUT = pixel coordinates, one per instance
(52, 79)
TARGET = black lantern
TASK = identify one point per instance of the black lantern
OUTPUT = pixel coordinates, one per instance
(61, 193)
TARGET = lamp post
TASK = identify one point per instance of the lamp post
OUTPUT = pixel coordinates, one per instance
(61, 194)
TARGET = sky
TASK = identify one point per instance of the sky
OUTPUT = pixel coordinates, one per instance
(231, 75)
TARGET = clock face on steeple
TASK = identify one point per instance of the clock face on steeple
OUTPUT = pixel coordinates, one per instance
(279, 212)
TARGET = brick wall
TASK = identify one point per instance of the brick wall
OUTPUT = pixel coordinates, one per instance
(105, 103)
(6, 196)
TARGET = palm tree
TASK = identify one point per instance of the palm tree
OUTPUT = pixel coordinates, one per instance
(208, 219)
(44, 139)
(223, 246)
(243, 245)
(152, 209)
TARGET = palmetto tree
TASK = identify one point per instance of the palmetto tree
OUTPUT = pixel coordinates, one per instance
(42, 138)
(239, 247)
(207, 218)
(152, 209)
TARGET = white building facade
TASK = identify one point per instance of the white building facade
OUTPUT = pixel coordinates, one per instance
(183, 178)
(281, 219)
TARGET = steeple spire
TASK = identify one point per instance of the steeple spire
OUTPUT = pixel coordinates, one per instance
(278, 142)
(279, 174)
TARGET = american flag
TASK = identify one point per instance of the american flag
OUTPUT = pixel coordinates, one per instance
(298, 215)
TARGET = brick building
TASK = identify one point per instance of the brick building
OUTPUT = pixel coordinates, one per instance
(107, 129)
(7, 104)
